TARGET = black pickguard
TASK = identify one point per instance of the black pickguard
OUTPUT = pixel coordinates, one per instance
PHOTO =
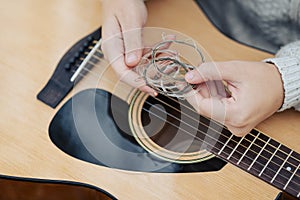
(93, 126)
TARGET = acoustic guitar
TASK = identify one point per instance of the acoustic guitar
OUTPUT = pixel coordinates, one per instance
(35, 149)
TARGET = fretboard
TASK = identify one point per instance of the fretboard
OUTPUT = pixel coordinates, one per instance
(262, 157)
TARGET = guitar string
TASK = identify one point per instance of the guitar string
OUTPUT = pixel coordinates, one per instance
(99, 58)
(257, 170)
(279, 150)
(209, 135)
(217, 141)
(205, 125)
(220, 126)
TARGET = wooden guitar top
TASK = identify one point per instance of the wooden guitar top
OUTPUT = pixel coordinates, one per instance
(34, 36)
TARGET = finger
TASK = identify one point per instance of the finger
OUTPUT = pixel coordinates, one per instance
(112, 40)
(220, 85)
(212, 88)
(113, 49)
(133, 45)
(131, 78)
(132, 35)
(216, 109)
(211, 71)
(239, 131)
(204, 90)
(210, 107)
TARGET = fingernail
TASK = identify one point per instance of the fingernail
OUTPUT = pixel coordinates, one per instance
(189, 76)
(153, 94)
(131, 58)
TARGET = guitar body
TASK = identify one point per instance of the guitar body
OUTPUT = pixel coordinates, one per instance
(28, 60)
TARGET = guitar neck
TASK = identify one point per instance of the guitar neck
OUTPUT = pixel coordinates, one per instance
(262, 157)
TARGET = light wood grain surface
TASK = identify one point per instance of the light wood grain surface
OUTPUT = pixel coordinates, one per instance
(35, 34)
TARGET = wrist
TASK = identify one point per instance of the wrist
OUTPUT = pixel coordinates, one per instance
(289, 70)
(277, 85)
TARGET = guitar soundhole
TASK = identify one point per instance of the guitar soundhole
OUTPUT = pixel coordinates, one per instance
(155, 120)
(162, 124)
(168, 128)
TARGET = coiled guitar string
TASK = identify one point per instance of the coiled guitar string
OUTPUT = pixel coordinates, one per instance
(163, 68)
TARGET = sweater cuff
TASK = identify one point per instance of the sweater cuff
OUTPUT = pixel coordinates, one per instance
(289, 68)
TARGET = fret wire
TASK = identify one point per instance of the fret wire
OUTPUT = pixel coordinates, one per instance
(256, 144)
(225, 145)
(213, 138)
(245, 140)
(236, 147)
(291, 177)
(298, 195)
(215, 122)
(208, 143)
(269, 160)
(258, 153)
(230, 136)
(281, 167)
(247, 149)
(249, 140)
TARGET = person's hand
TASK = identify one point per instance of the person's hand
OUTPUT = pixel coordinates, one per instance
(122, 38)
(253, 91)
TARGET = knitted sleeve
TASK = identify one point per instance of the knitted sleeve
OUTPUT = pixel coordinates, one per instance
(287, 60)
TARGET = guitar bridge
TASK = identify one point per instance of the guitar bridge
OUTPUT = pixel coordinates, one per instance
(63, 78)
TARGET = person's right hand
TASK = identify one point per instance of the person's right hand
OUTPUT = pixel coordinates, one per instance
(122, 38)
(253, 93)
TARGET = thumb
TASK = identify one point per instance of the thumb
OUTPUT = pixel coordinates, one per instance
(210, 71)
(133, 46)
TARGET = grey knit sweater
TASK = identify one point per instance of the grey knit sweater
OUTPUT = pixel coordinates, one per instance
(271, 25)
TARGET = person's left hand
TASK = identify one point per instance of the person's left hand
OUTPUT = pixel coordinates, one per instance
(122, 45)
(254, 91)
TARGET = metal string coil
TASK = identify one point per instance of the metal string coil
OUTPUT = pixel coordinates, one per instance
(165, 65)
